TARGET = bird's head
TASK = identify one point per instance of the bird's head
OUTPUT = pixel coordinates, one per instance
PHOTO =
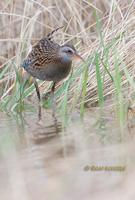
(68, 53)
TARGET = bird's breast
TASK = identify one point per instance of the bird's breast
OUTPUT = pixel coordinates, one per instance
(50, 72)
(57, 72)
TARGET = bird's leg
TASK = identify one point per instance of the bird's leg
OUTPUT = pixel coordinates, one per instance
(37, 90)
(39, 98)
(53, 99)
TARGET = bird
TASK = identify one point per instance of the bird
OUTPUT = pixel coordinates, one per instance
(49, 61)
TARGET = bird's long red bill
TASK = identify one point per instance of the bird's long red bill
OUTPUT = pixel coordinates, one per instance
(78, 57)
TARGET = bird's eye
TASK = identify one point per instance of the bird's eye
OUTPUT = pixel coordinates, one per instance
(69, 51)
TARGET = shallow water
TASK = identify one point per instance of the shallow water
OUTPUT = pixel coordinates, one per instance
(43, 161)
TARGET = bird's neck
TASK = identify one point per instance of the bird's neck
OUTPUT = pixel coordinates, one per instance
(65, 59)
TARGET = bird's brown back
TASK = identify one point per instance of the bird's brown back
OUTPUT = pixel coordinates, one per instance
(43, 53)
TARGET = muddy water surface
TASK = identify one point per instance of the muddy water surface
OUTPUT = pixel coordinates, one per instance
(92, 159)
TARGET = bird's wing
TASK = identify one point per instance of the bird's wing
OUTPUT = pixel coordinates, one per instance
(43, 53)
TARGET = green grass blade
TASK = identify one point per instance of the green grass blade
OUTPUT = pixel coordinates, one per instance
(99, 80)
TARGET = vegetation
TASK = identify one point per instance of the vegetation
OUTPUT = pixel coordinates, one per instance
(102, 31)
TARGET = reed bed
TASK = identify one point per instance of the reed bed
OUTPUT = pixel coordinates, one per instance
(102, 31)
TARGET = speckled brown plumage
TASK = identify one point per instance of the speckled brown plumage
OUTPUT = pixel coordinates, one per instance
(50, 61)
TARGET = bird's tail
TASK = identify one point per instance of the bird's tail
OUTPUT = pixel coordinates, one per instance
(49, 36)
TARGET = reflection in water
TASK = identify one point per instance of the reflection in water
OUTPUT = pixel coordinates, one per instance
(40, 160)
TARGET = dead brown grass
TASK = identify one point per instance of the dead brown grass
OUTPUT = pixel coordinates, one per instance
(24, 22)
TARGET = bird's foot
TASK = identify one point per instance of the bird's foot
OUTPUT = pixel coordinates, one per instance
(46, 96)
